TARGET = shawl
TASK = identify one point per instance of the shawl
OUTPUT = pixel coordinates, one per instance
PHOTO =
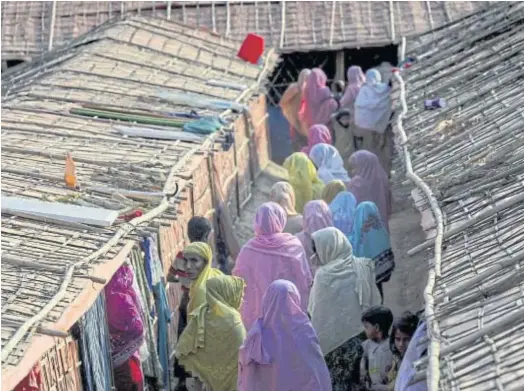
(369, 236)
(281, 351)
(126, 326)
(303, 178)
(282, 193)
(343, 210)
(319, 103)
(208, 347)
(291, 101)
(355, 80)
(271, 255)
(344, 287)
(414, 353)
(197, 291)
(329, 164)
(370, 183)
(373, 104)
(317, 134)
(331, 190)
(316, 216)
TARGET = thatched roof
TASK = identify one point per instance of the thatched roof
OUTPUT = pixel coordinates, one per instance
(30, 28)
(471, 155)
(47, 266)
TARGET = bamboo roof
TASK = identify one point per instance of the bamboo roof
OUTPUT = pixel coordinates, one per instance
(30, 28)
(121, 65)
(471, 155)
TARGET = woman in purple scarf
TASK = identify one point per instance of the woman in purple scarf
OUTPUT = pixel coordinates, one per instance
(319, 103)
(126, 330)
(271, 255)
(281, 351)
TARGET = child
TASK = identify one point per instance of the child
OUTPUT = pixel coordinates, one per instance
(378, 358)
(401, 333)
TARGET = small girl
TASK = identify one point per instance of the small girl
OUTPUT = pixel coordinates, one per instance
(401, 333)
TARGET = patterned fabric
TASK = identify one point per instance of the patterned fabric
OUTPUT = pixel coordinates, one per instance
(384, 266)
(344, 365)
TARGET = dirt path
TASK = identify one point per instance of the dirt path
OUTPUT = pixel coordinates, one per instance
(405, 289)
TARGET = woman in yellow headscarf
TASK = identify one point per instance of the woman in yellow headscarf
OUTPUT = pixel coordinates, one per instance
(208, 347)
(332, 189)
(198, 257)
(303, 177)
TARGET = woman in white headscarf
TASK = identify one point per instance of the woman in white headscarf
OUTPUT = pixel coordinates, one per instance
(343, 288)
(329, 163)
(373, 114)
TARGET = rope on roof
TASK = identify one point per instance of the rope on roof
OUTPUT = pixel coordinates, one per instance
(332, 28)
(52, 26)
(392, 20)
(433, 370)
(283, 25)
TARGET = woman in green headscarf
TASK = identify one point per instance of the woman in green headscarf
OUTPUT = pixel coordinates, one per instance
(208, 347)
(303, 177)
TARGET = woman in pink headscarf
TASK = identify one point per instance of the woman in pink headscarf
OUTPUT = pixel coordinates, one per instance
(317, 134)
(369, 182)
(290, 104)
(317, 216)
(281, 351)
(356, 79)
(318, 103)
(269, 256)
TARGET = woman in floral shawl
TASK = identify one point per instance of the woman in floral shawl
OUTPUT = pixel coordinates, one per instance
(370, 239)
(208, 347)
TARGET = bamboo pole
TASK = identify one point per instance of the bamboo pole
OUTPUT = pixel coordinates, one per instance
(481, 216)
(42, 330)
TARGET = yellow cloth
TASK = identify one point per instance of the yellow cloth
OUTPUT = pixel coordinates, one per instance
(197, 291)
(283, 194)
(332, 189)
(303, 177)
(208, 347)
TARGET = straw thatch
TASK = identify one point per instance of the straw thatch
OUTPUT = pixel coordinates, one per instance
(47, 265)
(471, 155)
(31, 28)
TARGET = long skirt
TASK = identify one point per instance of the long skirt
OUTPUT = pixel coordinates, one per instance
(344, 364)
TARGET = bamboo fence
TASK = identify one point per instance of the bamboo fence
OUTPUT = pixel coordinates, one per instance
(470, 154)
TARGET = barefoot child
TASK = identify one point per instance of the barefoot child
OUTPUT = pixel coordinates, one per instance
(378, 358)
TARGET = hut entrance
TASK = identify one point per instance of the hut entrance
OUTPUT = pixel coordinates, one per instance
(333, 63)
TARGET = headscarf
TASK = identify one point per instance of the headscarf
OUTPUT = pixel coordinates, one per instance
(201, 348)
(292, 99)
(344, 287)
(373, 103)
(316, 216)
(281, 350)
(303, 177)
(329, 163)
(355, 80)
(370, 183)
(369, 236)
(343, 210)
(198, 229)
(318, 100)
(124, 316)
(197, 291)
(332, 189)
(282, 193)
(269, 256)
(317, 134)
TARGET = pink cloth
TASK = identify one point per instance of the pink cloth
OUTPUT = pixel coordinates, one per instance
(281, 351)
(316, 216)
(356, 79)
(370, 182)
(319, 102)
(317, 134)
(271, 255)
(126, 326)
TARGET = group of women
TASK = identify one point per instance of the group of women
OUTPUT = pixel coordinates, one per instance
(290, 315)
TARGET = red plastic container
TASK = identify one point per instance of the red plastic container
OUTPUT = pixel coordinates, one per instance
(252, 48)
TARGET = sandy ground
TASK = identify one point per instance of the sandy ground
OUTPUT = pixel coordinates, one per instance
(405, 289)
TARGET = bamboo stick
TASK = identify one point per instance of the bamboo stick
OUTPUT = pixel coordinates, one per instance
(42, 330)
(481, 216)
